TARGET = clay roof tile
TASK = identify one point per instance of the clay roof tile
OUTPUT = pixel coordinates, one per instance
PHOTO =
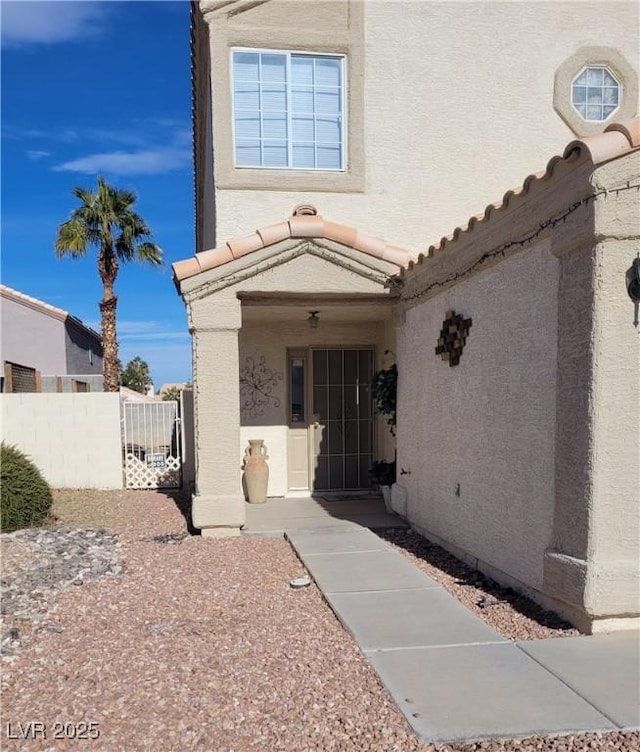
(602, 147)
(343, 234)
(274, 233)
(630, 128)
(616, 140)
(306, 226)
(304, 223)
(215, 257)
(186, 268)
(368, 244)
(247, 244)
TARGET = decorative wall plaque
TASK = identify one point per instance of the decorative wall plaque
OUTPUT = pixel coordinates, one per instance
(257, 385)
(453, 337)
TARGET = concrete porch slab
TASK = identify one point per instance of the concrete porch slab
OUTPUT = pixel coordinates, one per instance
(604, 669)
(481, 691)
(278, 515)
(344, 538)
(409, 618)
(364, 571)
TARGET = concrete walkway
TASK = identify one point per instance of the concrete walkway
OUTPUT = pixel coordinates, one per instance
(280, 515)
(453, 677)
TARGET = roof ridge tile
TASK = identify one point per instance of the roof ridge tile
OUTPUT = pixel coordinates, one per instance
(304, 223)
(246, 244)
(306, 226)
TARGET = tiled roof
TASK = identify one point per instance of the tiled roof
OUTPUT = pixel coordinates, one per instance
(304, 223)
(615, 141)
(38, 305)
(42, 307)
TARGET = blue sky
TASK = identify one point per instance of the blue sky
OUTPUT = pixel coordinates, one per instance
(94, 88)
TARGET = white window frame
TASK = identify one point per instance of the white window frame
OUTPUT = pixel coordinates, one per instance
(596, 66)
(343, 113)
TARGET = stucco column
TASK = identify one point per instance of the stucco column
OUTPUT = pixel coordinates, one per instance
(218, 504)
(565, 561)
(592, 564)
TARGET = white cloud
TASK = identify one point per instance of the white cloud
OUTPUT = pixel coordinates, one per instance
(18, 133)
(27, 22)
(167, 351)
(35, 155)
(142, 162)
(149, 331)
(138, 327)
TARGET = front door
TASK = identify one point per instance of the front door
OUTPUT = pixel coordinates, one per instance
(342, 443)
(330, 435)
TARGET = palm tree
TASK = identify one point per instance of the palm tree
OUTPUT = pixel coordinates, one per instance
(106, 219)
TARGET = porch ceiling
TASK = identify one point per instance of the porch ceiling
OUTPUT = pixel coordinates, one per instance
(259, 307)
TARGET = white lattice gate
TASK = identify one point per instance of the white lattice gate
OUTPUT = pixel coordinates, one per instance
(151, 444)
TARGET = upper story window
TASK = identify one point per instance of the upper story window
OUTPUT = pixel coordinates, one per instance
(288, 110)
(595, 93)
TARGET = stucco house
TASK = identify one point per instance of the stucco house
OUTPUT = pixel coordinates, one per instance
(314, 124)
(46, 349)
(398, 118)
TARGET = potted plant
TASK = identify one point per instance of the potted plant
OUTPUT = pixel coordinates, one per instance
(383, 475)
(383, 390)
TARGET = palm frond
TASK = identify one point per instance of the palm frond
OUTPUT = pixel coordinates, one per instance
(106, 219)
(83, 195)
(72, 239)
(149, 253)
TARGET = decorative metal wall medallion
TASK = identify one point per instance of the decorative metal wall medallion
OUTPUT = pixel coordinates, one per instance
(453, 337)
(257, 384)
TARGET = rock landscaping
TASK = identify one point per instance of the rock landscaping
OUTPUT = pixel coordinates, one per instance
(166, 641)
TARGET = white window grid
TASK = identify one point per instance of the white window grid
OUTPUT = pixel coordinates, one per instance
(596, 93)
(288, 54)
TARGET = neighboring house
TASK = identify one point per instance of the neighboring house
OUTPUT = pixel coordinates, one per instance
(46, 349)
(507, 458)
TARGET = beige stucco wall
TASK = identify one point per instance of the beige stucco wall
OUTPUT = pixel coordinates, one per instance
(73, 438)
(465, 116)
(486, 425)
(539, 423)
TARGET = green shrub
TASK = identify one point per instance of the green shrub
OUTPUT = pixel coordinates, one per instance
(25, 494)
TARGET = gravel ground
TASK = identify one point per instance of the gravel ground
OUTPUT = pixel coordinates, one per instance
(200, 644)
(513, 615)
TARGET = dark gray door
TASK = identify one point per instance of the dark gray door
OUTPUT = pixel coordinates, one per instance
(342, 404)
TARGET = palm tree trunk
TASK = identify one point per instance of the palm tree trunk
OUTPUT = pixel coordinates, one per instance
(111, 370)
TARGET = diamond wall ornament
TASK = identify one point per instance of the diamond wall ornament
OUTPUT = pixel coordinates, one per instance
(453, 337)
